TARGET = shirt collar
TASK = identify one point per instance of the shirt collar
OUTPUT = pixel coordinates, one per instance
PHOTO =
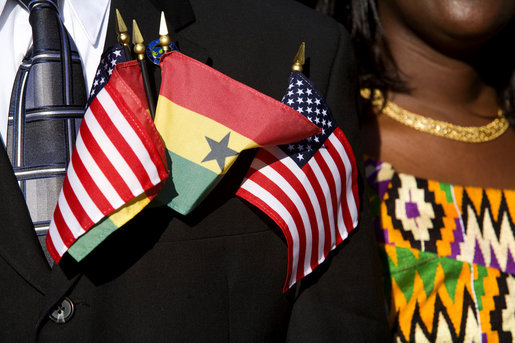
(2, 5)
(88, 13)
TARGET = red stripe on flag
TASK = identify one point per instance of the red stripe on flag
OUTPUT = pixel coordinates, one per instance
(62, 228)
(75, 206)
(283, 197)
(105, 164)
(331, 199)
(310, 174)
(51, 249)
(142, 124)
(293, 179)
(201, 89)
(120, 143)
(263, 206)
(348, 150)
(344, 208)
(330, 183)
(90, 185)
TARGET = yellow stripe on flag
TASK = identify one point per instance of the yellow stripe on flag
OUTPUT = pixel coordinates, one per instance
(184, 132)
(129, 210)
(98, 233)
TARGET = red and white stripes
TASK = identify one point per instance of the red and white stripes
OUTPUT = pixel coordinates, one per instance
(114, 161)
(315, 207)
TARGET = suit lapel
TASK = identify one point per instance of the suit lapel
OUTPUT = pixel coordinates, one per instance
(19, 246)
(179, 14)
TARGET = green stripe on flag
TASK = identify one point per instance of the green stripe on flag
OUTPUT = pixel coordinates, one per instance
(98, 233)
(187, 185)
(89, 241)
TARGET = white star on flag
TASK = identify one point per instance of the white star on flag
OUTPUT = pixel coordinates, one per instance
(309, 190)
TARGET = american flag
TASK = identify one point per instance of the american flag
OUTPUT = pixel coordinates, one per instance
(118, 155)
(110, 58)
(308, 188)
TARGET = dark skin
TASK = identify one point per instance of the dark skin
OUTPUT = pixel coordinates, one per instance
(447, 51)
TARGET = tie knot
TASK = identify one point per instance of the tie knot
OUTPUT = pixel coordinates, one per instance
(33, 4)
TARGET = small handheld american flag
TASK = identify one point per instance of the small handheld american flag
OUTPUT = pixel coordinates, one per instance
(308, 188)
(118, 164)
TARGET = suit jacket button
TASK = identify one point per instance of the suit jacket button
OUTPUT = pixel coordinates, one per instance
(63, 312)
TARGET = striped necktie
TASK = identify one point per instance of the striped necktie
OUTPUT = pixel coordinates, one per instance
(47, 105)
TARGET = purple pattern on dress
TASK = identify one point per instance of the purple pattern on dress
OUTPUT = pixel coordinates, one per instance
(458, 238)
(381, 233)
(386, 236)
(379, 186)
(382, 187)
(493, 259)
(411, 208)
(510, 264)
(478, 255)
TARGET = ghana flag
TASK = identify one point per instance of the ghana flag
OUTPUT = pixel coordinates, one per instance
(206, 119)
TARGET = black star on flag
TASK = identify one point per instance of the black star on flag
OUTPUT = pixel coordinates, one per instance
(219, 151)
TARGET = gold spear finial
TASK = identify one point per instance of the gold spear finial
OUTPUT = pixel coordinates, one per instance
(300, 58)
(137, 40)
(121, 30)
(164, 39)
(123, 35)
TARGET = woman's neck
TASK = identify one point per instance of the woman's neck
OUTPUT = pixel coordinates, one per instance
(441, 86)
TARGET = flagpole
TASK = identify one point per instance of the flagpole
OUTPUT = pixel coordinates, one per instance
(164, 38)
(123, 35)
(139, 50)
(298, 65)
(300, 58)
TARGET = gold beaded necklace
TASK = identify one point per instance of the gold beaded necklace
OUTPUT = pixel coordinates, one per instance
(468, 134)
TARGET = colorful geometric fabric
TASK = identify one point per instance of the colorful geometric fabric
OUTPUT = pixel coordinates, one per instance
(448, 254)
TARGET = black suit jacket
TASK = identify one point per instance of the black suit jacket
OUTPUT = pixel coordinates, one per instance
(217, 274)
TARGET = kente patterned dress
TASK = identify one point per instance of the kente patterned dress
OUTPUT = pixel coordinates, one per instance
(448, 257)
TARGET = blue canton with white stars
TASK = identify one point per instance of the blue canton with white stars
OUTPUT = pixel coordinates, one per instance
(303, 97)
(110, 58)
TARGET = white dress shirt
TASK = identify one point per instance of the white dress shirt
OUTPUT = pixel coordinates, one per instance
(86, 21)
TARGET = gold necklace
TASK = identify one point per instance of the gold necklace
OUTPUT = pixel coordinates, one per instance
(468, 134)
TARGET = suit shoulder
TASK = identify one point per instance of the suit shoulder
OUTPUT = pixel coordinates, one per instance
(283, 17)
(255, 41)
